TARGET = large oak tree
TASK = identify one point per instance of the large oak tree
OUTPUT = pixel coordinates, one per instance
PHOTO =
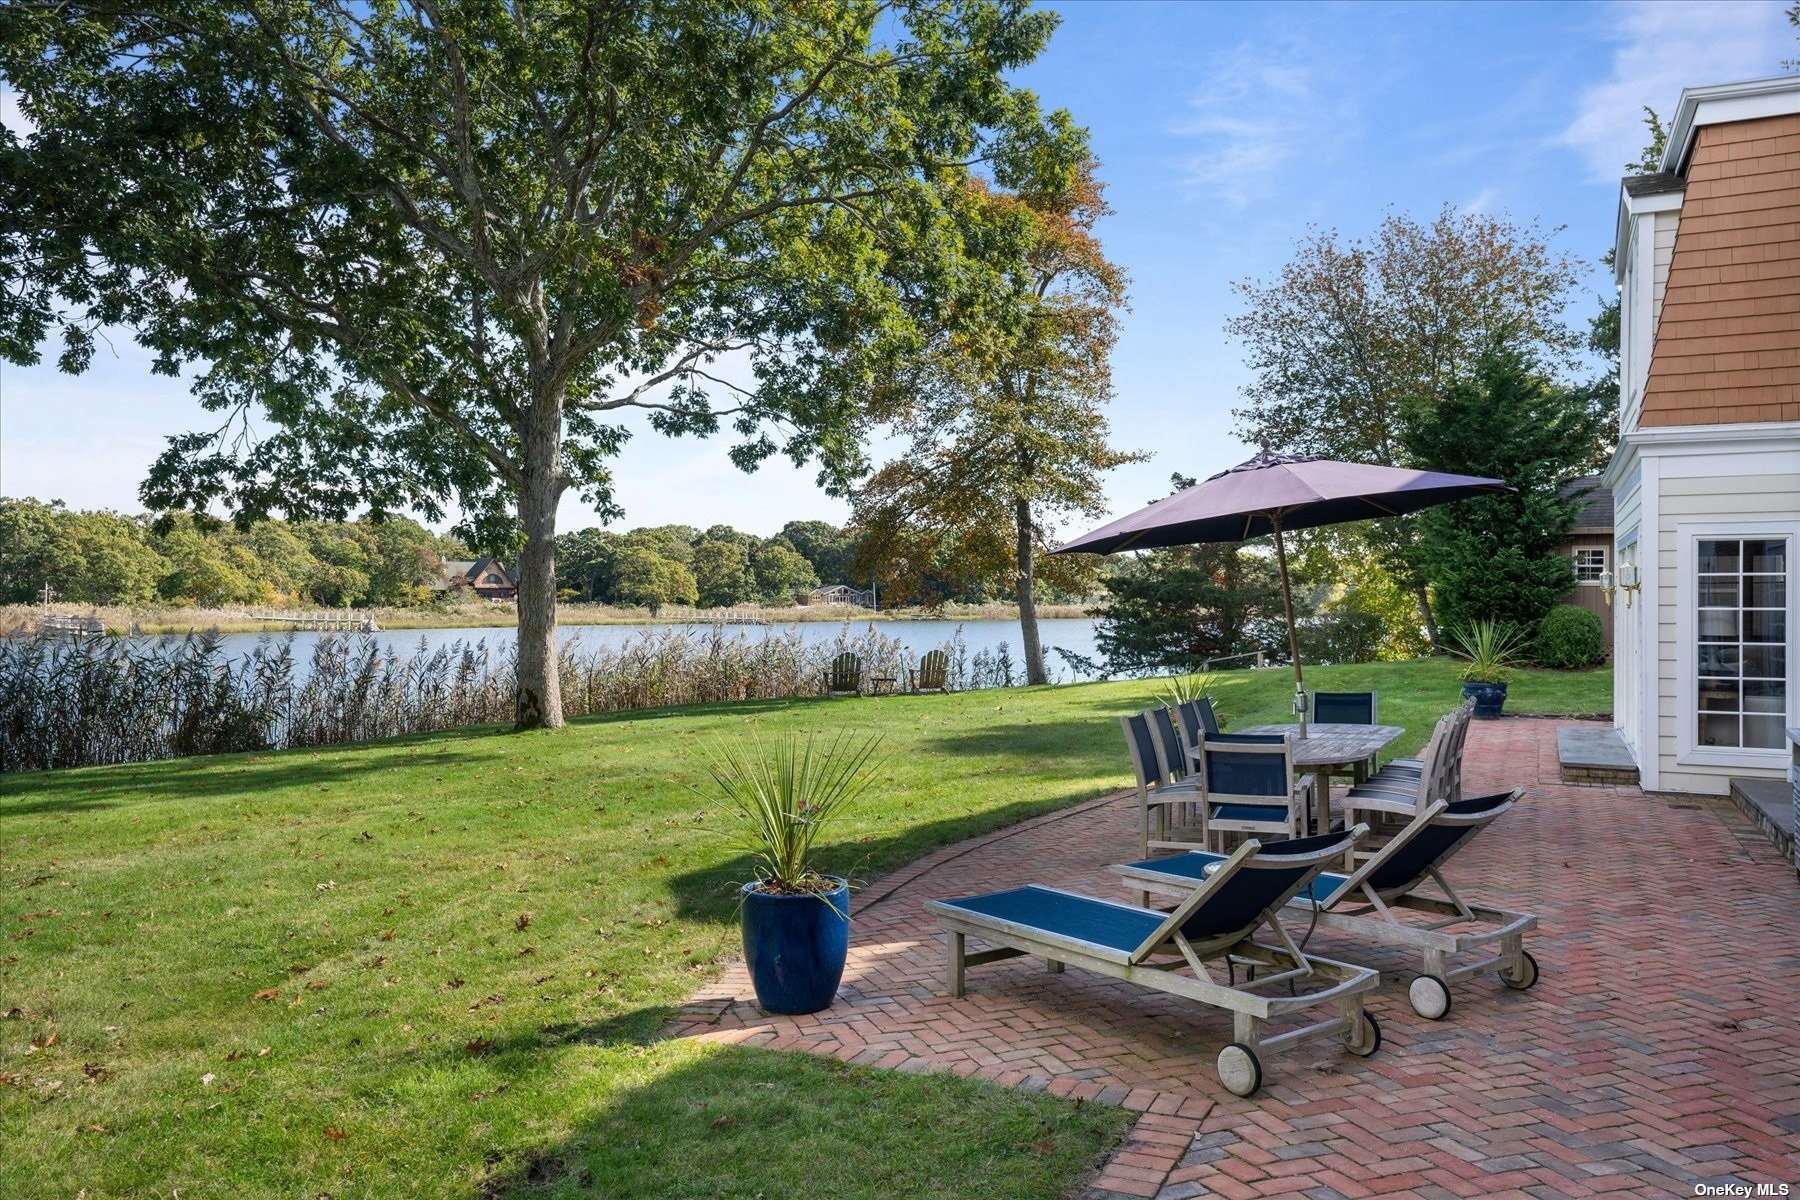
(432, 252)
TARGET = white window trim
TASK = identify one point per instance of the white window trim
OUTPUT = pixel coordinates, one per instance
(1605, 554)
(1687, 538)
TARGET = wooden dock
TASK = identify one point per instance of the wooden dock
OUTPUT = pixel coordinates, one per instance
(70, 626)
(346, 619)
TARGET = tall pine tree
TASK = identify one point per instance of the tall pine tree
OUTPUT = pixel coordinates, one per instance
(1501, 557)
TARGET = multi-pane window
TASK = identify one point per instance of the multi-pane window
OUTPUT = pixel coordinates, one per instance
(1590, 564)
(1741, 628)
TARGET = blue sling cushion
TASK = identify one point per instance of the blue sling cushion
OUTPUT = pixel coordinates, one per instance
(1431, 845)
(1344, 708)
(1122, 929)
(1275, 813)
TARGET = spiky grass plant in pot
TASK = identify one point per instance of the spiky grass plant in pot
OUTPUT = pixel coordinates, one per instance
(777, 799)
(1493, 650)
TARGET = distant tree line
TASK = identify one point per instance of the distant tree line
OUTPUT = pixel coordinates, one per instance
(720, 566)
(108, 558)
(100, 557)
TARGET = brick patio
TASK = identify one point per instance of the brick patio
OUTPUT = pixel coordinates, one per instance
(1660, 1050)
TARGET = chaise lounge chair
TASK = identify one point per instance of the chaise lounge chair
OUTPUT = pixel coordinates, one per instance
(1215, 921)
(1366, 902)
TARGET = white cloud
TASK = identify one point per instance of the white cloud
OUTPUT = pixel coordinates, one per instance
(1259, 109)
(1662, 47)
(1483, 201)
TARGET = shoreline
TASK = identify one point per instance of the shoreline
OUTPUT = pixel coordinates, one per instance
(153, 621)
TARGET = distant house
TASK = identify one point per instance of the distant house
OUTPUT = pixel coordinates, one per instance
(841, 593)
(488, 578)
(1589, 547)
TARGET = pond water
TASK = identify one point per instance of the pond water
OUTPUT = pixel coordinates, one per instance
(1076, 635)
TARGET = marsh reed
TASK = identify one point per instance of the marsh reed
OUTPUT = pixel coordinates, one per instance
(66, 703)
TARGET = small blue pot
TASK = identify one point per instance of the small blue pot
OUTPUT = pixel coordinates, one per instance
(796, 946)
(1489, 698)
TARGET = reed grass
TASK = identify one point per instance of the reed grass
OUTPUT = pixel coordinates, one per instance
(84, 702)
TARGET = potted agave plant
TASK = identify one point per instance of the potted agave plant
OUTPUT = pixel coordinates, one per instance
(1492, 651)
(796, 919)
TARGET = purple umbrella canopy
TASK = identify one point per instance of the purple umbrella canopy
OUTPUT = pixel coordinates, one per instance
(1272, 493)
(1248, 500)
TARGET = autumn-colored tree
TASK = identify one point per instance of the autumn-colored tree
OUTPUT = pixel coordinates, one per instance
(1356, 339)
(1005, 423)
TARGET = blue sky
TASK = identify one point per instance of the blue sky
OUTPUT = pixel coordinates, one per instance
(1224, 131)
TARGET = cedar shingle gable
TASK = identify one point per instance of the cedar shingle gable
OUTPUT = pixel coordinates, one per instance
(1727, 344)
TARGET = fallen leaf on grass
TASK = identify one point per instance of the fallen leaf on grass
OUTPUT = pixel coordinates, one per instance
(387, 935)
(527, 950)
(316, 985)
(523, 923)
(334, 1133)
(479, 1047)
(206, 1079)
(1044, 1146)
(268, 994)
(233, 1055)
(723, 1122)
(13, 1014)
(46, 1041)
(96, 1072)
(451, 985)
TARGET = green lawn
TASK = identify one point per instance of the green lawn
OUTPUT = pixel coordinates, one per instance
(436, 967)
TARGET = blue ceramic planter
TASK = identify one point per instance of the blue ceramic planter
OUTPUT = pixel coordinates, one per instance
(1489, 698)
(795, 946)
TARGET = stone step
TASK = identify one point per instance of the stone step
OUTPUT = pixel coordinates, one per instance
(1770, 803)
(1595, 754)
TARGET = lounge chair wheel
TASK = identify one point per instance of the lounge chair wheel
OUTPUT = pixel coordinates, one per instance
(1368, 1037)
(1239, 1069)
(1528, 977)
(1430, 997)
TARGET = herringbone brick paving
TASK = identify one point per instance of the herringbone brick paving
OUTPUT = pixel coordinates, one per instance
(1660, 1050)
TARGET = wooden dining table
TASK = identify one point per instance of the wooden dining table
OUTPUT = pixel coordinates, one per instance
(1330, 748)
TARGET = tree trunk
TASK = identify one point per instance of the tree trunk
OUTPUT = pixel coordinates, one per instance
(1027, 582)
(1423, 592)
(538, 699)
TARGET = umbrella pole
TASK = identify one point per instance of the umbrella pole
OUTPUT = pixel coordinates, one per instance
(1287, 605)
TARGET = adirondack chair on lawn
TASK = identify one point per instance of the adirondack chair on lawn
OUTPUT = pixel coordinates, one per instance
(932, 673)
(845, 676)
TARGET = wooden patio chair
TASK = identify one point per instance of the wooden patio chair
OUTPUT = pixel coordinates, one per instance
(845, 676)
(1370, 901)
(932, 673)
(1168, 809)
(1346, 708)
(1216, 922)
(1248, 785)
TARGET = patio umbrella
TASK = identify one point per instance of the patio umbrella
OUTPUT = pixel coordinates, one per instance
(1272, 493)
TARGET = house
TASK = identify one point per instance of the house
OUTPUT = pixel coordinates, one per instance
(1706, 479)
(1589, 547)
(488, 578)
(841, 593)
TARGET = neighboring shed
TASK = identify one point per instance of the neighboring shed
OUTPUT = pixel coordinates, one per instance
(1589, 546)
